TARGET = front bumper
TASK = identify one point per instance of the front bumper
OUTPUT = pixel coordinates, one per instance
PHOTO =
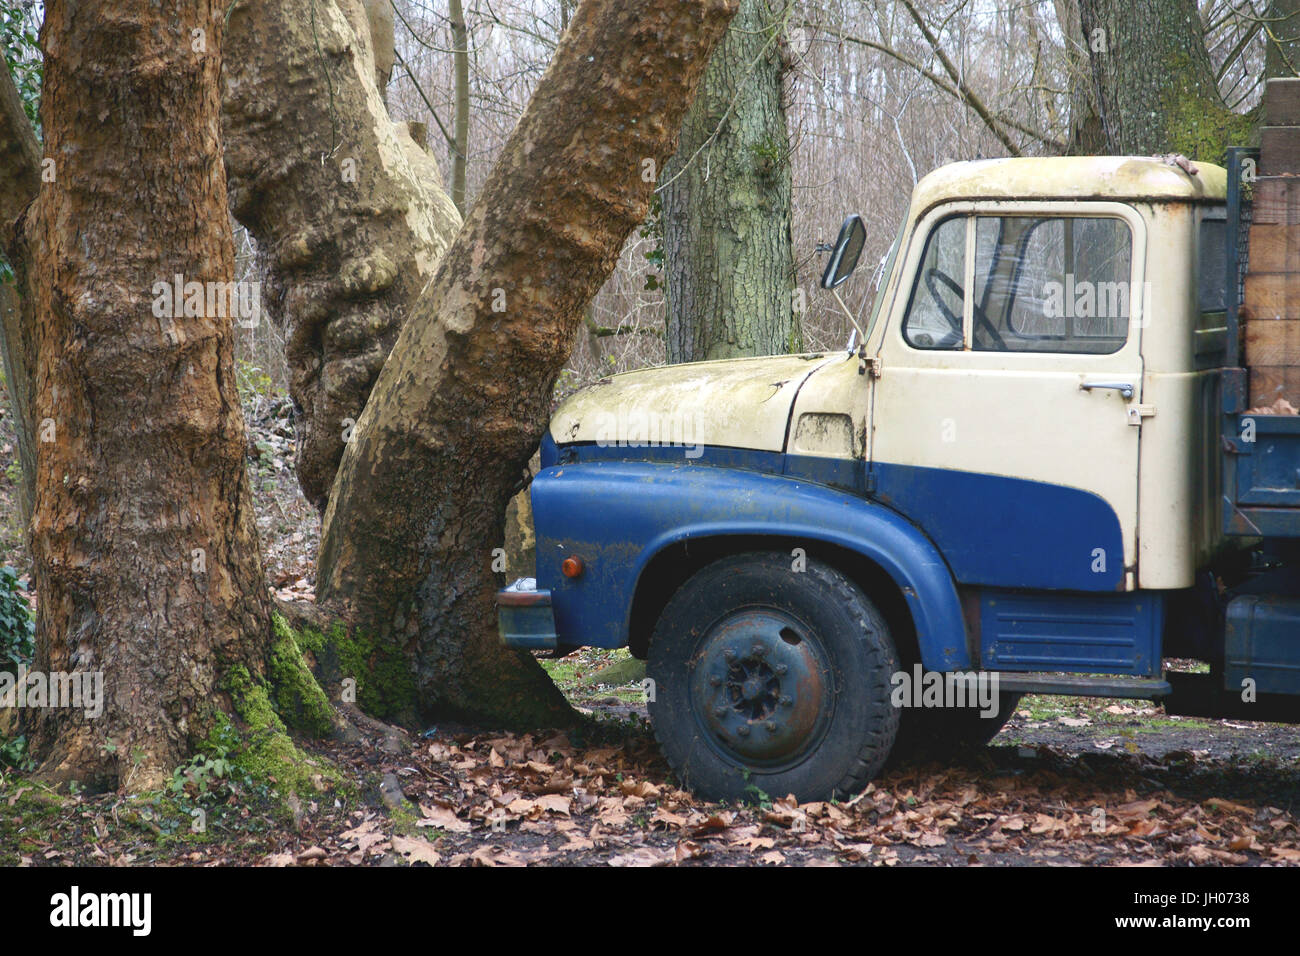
(524, 617)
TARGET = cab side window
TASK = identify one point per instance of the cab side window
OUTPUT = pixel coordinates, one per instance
(934, 313)
(1051, 284)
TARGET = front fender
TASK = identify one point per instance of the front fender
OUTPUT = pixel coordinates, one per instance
(617, 515)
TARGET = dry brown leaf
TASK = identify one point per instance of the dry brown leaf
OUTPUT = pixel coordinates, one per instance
(496, 856)
(639, 788)
(417, 851)
(713, 824)
(1218, 803)
(855, 851)
(666, 817)
(443, 817)
(364, 836)
(1136, 810)
(554, 803)
(643, 856)
(687, 850)
(1243, 842)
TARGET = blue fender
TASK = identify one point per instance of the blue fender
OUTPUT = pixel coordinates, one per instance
(617, 515)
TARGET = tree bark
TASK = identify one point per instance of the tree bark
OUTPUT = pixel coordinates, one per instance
(1282, 54)
(1152, 83)
(146, 559)
(380, 26)
(726, 204)
(459, 407)
(20, 159)
(349, 213)
(460, 130)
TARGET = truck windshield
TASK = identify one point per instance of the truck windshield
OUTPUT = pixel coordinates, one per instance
(880, 280)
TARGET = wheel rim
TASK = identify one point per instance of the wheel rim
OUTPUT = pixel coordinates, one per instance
(760, 687)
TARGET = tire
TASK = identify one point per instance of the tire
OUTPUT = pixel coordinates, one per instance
(770, 679)
(927, 733)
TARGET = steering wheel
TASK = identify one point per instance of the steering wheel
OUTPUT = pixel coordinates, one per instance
(932, 278)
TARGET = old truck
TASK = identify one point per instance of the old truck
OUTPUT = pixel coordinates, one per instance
(1033, 465)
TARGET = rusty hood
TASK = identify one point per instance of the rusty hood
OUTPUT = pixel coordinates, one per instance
(733, 403)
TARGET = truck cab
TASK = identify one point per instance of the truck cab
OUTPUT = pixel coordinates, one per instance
(1013, 477)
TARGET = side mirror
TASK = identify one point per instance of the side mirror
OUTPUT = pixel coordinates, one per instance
(844, 257)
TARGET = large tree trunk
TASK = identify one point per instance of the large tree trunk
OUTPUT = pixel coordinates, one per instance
(420, 494)
(726, 203)
(20, 158)
(347, 210)
(146, 560)
(1151, 83)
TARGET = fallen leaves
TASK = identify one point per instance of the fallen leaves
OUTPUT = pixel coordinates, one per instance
(523, 801)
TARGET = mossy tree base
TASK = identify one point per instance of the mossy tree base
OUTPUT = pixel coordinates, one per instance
(381, 681)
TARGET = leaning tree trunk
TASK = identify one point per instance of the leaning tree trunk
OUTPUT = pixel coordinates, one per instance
(726, 203)
(146, 560)
(1151, 83)
(20, 158)
(461, 403)
(349, 213)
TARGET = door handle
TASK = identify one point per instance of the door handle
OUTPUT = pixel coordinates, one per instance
(1124, 388)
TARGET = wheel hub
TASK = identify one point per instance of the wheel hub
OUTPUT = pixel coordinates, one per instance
(759, 686)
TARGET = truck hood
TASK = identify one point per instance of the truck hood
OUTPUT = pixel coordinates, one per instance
(734, 403)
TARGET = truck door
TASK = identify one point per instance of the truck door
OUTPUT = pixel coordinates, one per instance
(1006, 421)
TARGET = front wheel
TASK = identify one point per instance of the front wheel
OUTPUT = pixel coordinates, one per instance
(771, 679)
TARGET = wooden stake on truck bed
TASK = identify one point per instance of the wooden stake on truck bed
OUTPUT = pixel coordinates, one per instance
(1271, 306)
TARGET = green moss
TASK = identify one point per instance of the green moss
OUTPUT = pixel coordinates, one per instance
(1200, 128)
(26, 821)
(405, 821)
(298, 699)
(267, 752)
(385, 686)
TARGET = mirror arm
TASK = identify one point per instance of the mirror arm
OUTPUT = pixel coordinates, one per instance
(857, 329)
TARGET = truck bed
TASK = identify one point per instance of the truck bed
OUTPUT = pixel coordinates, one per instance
(1260, 389)
(1261, 466)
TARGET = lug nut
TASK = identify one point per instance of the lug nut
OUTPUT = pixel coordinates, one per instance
(743, 730)
(786, 701)
(715, 681)
(771, 726)
(729, 654)
(758, 650)
(781, 669)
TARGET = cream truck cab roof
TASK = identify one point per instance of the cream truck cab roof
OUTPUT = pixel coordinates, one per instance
(1149, 179)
